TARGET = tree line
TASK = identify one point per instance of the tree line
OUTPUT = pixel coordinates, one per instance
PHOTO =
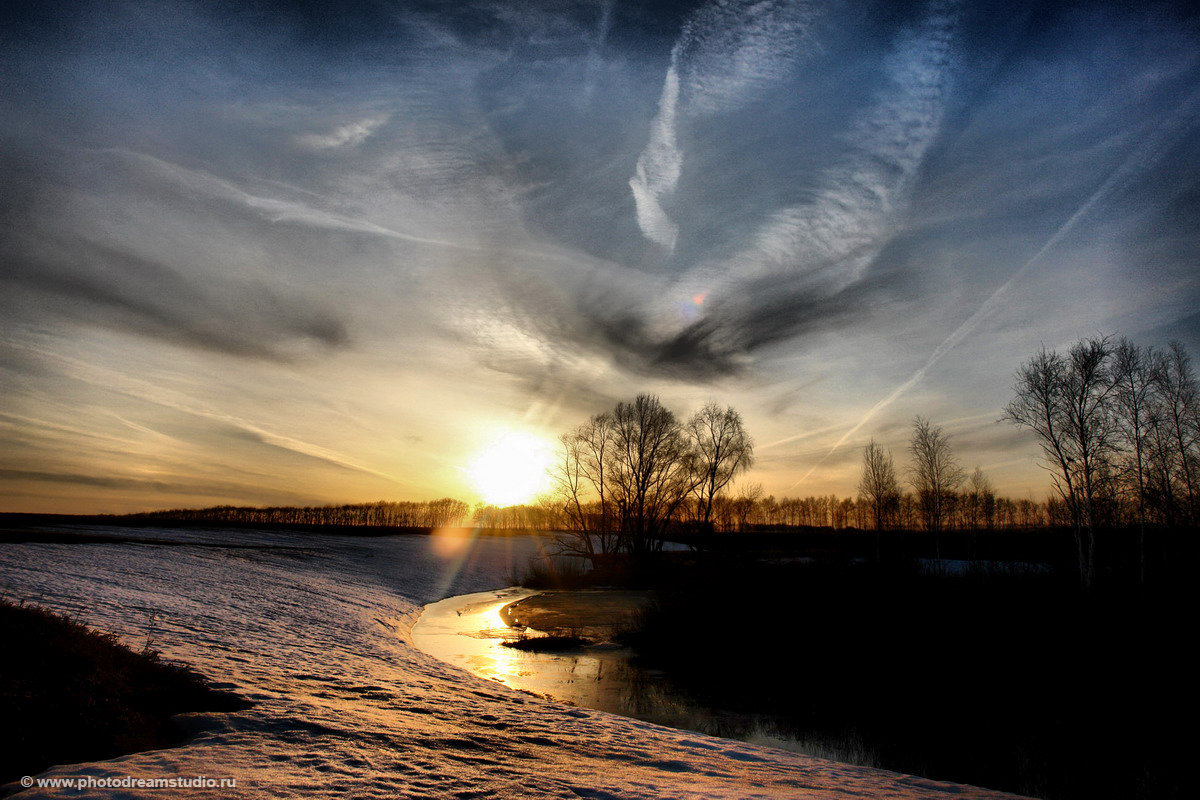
(628, 477)
(1119, 429)
(747, 509)
(1118, 425)
(401, 514)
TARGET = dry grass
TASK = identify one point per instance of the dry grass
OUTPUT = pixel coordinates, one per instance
(70, 694)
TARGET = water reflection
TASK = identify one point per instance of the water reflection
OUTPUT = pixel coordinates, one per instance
(467, 631)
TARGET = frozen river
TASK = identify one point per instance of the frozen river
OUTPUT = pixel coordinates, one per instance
(315, 630)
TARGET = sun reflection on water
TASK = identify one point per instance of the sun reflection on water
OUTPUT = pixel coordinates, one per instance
(468, 631)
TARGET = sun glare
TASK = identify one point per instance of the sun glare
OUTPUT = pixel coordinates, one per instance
(512, 469)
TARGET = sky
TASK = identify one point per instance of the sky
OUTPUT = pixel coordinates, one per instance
(293, 253)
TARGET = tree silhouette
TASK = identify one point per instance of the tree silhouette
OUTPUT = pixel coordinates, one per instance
(878, 487)
(582, 483)
(1180, 415)
(653, 471)
(1067, 403)
(979, 501)
(722, 450)
(934, 474)
(1135, 395)
(624, 476)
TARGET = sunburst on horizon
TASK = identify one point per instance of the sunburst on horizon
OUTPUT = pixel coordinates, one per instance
(512, 469)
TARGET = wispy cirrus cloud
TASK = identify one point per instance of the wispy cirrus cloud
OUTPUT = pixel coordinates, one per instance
(726, 54)
(1141, 157)
(112, 287)
(802, 256)
(349, 134)
(272, 209)
(180, 484)
(114, 380)
(658, 169)
(833, 238)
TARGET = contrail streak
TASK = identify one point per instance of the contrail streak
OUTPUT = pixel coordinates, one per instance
(1144, 155)
(269, 208)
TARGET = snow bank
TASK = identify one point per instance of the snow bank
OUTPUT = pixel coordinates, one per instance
(315, 630)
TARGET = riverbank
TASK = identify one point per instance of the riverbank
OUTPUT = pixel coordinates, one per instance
(586, 663)
(1013, 680)
(599, 615)
(320, 639)
(997, 674)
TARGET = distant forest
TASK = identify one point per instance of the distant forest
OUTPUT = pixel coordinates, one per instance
(750, 511)
(1118, 426)
(739, 512)
(402, 514)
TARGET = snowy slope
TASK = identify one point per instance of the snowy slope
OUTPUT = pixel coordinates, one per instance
(315, 630)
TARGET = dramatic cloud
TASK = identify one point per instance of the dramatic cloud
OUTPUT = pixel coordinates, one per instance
(286, 253)
(726, 55)
(805, 254)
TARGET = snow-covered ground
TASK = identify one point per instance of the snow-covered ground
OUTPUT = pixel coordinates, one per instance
(315, 630)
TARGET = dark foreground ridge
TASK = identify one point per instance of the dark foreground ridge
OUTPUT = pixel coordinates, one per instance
(70, 694)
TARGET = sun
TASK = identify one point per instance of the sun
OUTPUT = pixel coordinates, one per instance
(512, 469)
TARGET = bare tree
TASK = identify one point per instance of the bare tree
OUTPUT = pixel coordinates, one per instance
(934, 474)
(1180, 414)
(571, 486)
(1067, 403)
(979, 501)
(653, 470)
(624, 476)
(582, 490)
(878, 487)
(1039, 405)
(742, 505)
(1134, 395)
(1162, 479)
(1092, 435)
(722, 450)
